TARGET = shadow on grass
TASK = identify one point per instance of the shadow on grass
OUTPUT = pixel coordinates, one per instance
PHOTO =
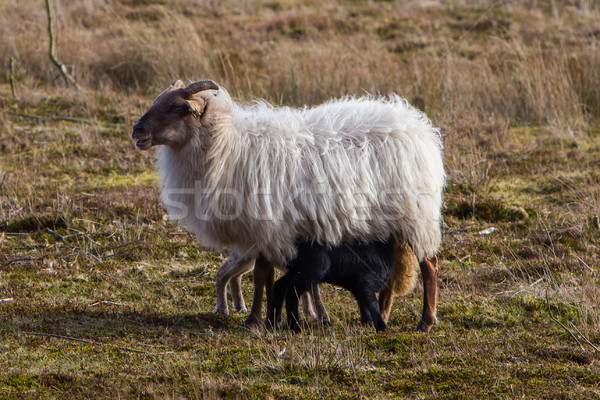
(94, 324)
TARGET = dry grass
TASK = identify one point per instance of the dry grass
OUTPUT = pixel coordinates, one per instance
(516, 90)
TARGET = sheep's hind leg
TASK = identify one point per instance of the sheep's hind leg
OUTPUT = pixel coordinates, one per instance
(402, 277)
(386, 300)
(263, 277)
(234, 266)
(429, 273)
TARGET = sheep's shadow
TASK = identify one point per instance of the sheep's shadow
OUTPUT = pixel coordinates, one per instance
(94, 324)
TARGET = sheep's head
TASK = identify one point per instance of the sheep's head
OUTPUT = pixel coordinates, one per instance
(176, 111)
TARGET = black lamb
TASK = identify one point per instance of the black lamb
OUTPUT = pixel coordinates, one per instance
(362, 268)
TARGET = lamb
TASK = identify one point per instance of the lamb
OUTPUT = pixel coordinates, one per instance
(361, 268)
(253, 178)
(231, 272)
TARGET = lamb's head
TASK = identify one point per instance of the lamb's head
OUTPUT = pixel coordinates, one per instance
(178, 112)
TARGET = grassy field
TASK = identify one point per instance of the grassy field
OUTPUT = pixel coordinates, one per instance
(102, 297)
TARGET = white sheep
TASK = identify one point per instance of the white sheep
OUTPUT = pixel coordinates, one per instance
(252, 179)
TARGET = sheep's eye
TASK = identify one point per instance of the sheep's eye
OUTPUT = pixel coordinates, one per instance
(180, 109)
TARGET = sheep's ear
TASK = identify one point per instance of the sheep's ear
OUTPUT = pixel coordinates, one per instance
(196, 105)
(175, 85)
(178, 84)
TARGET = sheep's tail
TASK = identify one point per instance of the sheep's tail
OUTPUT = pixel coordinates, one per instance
(404, 271)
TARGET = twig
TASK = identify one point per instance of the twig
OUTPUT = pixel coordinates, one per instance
(51, 48)
(35, 247)
(8, 299)
(584, 338)
(18, 260)
(87, 234)
(95, 254)
(106, 302)
(59, 237)
(11, 67)
(585, 265)
(182, 281)
(55, 388)
(89, 342)
(573, 229)
(538, 281)
(117, 247)
(65, 119)
(208, 332)
(559, 323)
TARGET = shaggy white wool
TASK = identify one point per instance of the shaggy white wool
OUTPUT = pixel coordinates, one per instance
(255, 179)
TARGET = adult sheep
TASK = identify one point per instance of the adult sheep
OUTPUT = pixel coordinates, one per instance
(254, 178)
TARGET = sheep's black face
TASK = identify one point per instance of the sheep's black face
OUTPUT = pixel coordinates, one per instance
(164, 123)
(170, 120)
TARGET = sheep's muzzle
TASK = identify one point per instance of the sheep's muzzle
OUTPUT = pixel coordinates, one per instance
(144, 141)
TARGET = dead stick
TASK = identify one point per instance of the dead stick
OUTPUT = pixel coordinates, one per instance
(13, 88)
(51, 50)
(65, 119)
(18, 260)
(561, 325)
(584, 338)
(86, 341)
(59, 237)
(116, 247)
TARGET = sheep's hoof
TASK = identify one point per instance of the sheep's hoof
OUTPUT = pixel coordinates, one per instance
(250, 322)
(241, 309)
(222, 311)
(325, 321)
(424, 326)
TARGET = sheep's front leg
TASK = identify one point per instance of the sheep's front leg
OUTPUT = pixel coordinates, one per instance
(237, 296)
(234, 266)
(264, 273)
(429, 273)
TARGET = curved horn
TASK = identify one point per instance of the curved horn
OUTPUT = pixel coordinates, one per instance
(199, 86)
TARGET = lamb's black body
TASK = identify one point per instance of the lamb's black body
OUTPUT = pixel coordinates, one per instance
(361, 268)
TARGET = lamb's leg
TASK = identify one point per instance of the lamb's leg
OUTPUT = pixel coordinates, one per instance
(304, 281)
(307, 304)
(369, 308)
(365, 312)
(322, 316)
(235, 265)
(263, 276)
(280, 290)
(429, 273)
(291, 307)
